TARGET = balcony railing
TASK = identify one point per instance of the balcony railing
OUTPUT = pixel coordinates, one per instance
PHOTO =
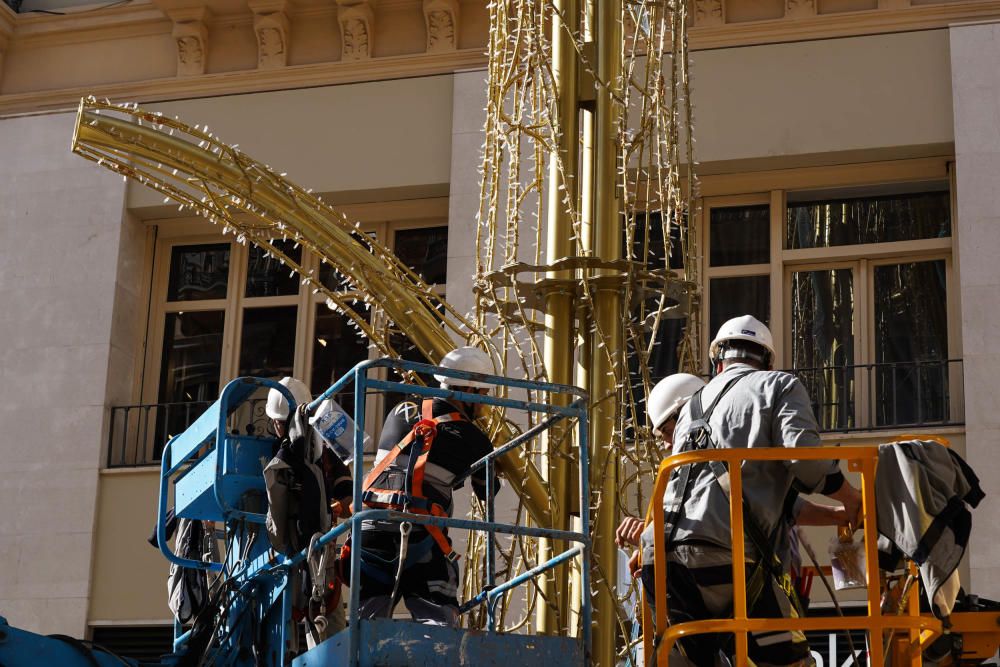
(137, 433)
(866, 397)
(863, 397)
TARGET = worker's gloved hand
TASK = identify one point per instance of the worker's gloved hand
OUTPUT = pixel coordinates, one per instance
(628, 532)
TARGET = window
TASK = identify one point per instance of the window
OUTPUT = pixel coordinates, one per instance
(221, 310)
(855, 284)
(873, 219)
(648, 247)
(739, 251)
(822, 342)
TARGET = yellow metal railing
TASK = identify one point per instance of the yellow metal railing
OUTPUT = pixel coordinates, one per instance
(920, 629)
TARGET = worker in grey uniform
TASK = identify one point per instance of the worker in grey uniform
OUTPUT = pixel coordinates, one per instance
(663, 406)
(746, 405)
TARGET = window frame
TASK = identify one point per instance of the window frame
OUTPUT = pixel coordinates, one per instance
(382, 221)
(774, 187)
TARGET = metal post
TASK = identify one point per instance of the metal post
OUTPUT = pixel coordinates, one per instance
(739, 558)
(559, 333)
(491, 623)
(360, 391)
(584, 481)
(868, 466)
(608, 316)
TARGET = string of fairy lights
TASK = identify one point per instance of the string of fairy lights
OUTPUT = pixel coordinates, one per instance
(654, 139)
(258, 205)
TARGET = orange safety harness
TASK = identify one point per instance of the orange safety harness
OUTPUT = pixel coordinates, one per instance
(412, 498)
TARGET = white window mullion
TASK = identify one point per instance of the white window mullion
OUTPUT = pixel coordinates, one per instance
(777, 282)
(234, 313)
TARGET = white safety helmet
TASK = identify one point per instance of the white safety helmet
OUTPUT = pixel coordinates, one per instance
(669, 396)
(744, 327)
(470, 359)
(277, 404)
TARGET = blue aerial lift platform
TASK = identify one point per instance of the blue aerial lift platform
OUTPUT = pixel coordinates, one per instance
(216, 474)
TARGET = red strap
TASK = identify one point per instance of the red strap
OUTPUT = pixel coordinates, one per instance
(426, 430)
(388, 459)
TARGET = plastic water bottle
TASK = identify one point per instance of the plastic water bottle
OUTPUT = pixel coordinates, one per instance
(332, 423)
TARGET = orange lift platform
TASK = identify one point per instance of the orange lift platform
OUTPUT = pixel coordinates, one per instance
(902, 637)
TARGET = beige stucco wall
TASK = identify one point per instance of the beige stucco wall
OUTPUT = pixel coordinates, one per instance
(391, 138)
(822, 97)
(60, 227)
(975, 50)
(129, 575)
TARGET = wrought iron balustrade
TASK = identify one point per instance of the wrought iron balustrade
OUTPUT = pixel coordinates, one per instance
(864, 397)
(137, 433)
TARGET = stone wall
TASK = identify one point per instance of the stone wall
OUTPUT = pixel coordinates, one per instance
(60, 229)
(975, 50)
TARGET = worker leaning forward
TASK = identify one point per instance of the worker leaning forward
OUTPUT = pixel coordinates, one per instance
(423, 450)
(308, 489)
(746, 405)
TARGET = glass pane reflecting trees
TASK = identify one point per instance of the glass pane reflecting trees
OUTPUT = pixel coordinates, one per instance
(822, 343)
(879, 219)
(911, 343)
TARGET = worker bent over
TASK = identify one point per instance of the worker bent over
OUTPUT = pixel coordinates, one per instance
(745, 405)
(423, 450)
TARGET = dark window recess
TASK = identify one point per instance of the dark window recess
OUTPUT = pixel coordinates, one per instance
(876, 219)
(267, 276)
(651, 249)
(911, 343)
(267, 344)
(740, 235)
(198, 272)
(662, 362)
(409, 352)
(192, 349)
(145, 643)
(732, 297)
(267, 349)
(823, 343)
(333, 279)
(337, 348)
(425, 250)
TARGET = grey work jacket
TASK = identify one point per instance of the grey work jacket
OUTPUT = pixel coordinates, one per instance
(765, 409)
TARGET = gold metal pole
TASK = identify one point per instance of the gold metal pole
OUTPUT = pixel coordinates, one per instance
(559, 330)
(608, 318)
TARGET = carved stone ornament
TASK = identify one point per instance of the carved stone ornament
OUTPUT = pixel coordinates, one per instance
(6, 30)
(709, 12)
(272, 40)
(441, 20)
(192, 43)
(800, 8)
(357, 29)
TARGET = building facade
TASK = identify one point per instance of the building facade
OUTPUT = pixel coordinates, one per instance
(848, 156)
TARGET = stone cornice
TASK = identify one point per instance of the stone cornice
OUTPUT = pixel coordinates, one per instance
(8, 19)
(125, 21)
(149, 19)
(211, 85)
(846, 24)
